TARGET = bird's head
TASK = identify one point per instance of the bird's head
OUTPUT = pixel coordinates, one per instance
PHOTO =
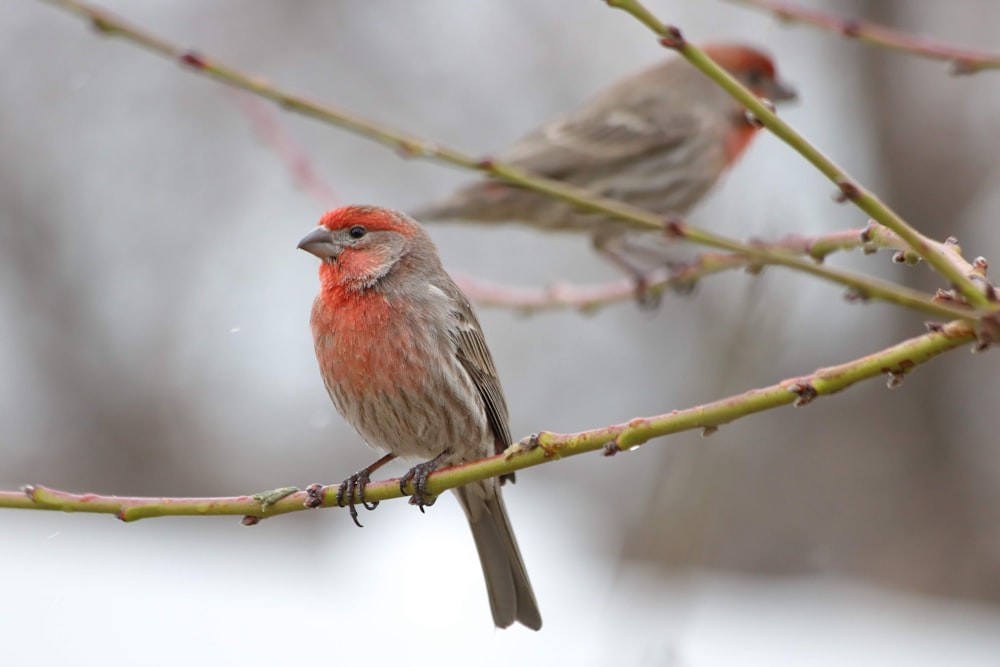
(361, 245)
(753, 68)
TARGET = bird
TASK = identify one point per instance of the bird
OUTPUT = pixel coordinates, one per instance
(658, 139)
(405, 362)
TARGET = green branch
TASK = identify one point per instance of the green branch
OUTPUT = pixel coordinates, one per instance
(894, 362)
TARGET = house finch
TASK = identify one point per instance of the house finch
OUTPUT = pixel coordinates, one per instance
(404, 360)
(658, 140)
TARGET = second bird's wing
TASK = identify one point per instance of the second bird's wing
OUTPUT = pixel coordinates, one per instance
(622, 124)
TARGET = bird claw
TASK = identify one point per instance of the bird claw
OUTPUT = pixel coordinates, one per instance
(418, 474)
(352, 491)
(647, 298)
(425, 501)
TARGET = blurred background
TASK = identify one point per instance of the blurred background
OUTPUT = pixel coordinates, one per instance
(154, 341)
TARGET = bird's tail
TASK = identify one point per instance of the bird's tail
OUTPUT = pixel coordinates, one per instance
(510, 593)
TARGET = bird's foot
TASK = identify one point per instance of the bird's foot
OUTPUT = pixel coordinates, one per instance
(645, 296)
(681, 277)
(351, 492)
(418, 474)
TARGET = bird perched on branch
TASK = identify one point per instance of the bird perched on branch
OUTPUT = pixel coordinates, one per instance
(658, 140)
(404, 360)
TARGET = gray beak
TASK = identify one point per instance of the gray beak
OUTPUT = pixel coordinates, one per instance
(782, 92)
(319, 242)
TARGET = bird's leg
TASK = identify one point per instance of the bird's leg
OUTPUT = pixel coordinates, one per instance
(650, 251)
(608, 249)
(418, 475)
(351, 490)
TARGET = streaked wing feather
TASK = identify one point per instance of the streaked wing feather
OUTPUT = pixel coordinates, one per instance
(589, 140)
(475, 357)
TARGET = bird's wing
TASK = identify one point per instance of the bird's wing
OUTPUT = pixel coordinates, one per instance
(478, 363)
(600, 135)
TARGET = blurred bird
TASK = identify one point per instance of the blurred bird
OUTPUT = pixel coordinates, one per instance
(405, 363)
(658, 140)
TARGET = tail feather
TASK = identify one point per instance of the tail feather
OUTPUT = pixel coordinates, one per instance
(511, 596)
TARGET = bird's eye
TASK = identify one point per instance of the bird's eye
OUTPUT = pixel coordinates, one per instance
(755, 79)
(357, 231)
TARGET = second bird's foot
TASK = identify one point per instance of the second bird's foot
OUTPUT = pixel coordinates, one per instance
(645, 295)
(352, 491)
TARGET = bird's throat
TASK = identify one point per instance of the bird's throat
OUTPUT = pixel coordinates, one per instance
(738, 141)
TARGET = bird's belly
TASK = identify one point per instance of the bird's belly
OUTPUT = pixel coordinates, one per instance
(416, 420)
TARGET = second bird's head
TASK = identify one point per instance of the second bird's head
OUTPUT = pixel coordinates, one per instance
(362, 245)
(753, 68)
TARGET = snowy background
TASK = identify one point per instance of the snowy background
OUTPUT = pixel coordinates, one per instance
(154, 341)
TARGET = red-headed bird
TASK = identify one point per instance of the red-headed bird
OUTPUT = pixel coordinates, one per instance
(405, 362)
(658, 140)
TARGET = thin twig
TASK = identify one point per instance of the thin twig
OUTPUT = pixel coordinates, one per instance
(274, 135)
(963, 61)
(680, 276)
(850, 189)
(893, 362)
(412, 146)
